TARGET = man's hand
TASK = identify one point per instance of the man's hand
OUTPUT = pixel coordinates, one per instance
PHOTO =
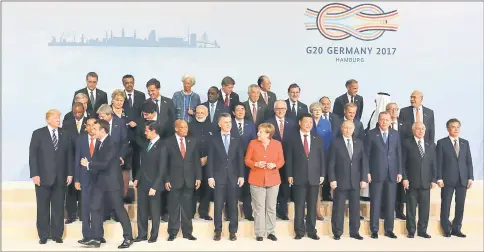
(321, 180)
(203, 161)
(405, 184)
(399, 178)
(369, 178)
(132, 124)
(168, 186)
(440, 183)
(290, 180)
(84, 162)
(432, 185)
(122, 161)
(77, 185)
(333, 185)
(152, 192)
(190, 111)
(36, 180)
(69, 180)
(362, 184)
(135, 183)
(240, 181)
(469, 183)
(211, 183)
(197, 184)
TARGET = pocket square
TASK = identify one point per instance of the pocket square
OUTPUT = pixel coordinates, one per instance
(210, 133)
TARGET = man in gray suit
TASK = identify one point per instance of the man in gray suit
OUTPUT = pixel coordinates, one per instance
(383, 149)
(418, 113)
(256, 110)
(268, 97)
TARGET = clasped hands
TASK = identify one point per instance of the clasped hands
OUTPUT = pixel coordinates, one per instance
(264, 165)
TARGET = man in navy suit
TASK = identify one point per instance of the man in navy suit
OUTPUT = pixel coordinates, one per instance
(96, 96)
(384, 152)
(215, 106)
(294, 106)
(119, 136)
(246, 129)
(285, 127)
(349, 97)
(454, 174)
(418, 113)
(225, 172)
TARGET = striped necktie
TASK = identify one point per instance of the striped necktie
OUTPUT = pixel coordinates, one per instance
(420, 148)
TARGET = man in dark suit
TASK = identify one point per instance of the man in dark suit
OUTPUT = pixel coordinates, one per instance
(347, 174)
(258, 111)
(268, 97)
(105, 169)
(418, 113)
(50, 161)
(350, 114)
(305, 167)
(132, 107)
(75, 126)
(164, 108)
(225, 172)
(88, 112)
(149, 182)
(349, 97)
(294, 106)
(284, 126)
(83, 179)
(96, 96)
(454, 173)
(214, 106)
(184, 172)
(247, 131)
(383, 149)
(226, 93)
(419, 176)
(202, 129)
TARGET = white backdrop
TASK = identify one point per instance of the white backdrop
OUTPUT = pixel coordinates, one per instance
(438, 50)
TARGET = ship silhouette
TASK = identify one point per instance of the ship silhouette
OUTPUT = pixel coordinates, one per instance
(151, 41)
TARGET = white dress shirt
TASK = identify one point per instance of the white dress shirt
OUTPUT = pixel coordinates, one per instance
(415, 114)
(52, 134)
(308, 139)
(346, 143)
(291, 102)
(178, 141)
(129, 93)
(394, 125)
(110, 126)
(223, 97)
(93, 93)
(349, 98)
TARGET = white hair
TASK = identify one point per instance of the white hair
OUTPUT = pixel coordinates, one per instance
(188, 76)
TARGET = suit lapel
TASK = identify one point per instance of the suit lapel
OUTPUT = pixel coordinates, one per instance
(345, 99)
(49, 136)
(220, 143)
(356, 148)
(232, 145)
(188, 147)
(343, 143)
(312, 144)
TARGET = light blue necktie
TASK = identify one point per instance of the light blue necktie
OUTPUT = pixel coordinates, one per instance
(226, 143)
(385, 137)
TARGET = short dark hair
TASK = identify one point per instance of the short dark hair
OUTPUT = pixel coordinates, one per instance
(452, 120)
(92, 74)
(154, 126)
(223, 115)
(77, 104)
(304, 115)
(293, 85)
(153, 81)
(349, 82)
(212, 87)
(103, 124)
(148, 107)
(260, 80)
(227, 80)
(127, 76)
(238, 104)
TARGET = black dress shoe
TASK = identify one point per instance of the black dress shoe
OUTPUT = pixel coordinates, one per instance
(357, 237)
(232, 237)
(125, 244)
(424, 235)
(320, 218)
(298, 237)
(42, 241)
(152, 239)
(190, 237)
(446, 234)
(165, 218)
(206, 217)
(83, 241)
(410, 236)
(390, 235)
(272, 237)
(58, 240)
(103, 240)
(250, 218)
(139, 239)
(362, 218)
(217, 236)
(458, 234)
(259, 238)
(171, 238)
(313, 236)
(283, 217)
(374, 235)
(401, 216)
(127, 200)
(336, 237)
(93, 243)
(70, 220)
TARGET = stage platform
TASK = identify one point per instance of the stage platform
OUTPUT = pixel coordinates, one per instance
(19, 229)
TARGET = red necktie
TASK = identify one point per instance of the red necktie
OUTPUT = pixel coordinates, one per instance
(254, 112)
(306, 146)
(182, 147)
(226, 101)
(91, 147)
(281, 128)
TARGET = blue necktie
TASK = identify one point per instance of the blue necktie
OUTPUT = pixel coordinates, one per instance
(226, 143)
(385, 137)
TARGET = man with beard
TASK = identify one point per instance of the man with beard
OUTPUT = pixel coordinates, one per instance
(215, 106)
(202, 129)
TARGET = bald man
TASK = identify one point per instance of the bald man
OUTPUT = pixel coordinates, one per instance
(181, 158)
(418, 113)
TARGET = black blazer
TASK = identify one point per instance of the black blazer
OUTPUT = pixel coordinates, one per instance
(233, 99)
(151, 170)
(50, 165)
(181, 171)
(70, 126)
(342, 100)
(271, 98)
(420, 172)
(166, 115)
(455, 171)
(304, 169)
(219, 109)
(101, 98)
(263, 112)
(301, 109)
(225, 168)
(70, 116)
(406, 116)
(105, 166)
(347, 172)
(134, 112)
